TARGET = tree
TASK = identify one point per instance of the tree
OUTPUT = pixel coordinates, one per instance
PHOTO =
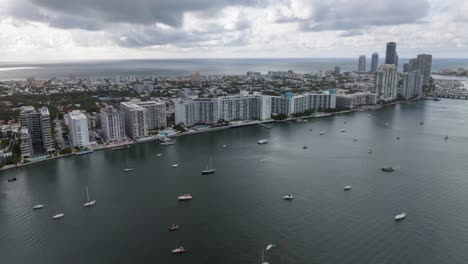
(66, 151)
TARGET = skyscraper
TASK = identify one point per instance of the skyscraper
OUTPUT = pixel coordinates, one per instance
(39, 128)
(362, 63)
(112, 124)
(155, 114)
(425, 67)
(390, 54)
(386, 82)
(412, 84)
(374, 62)
(337, 70)
(78, 126)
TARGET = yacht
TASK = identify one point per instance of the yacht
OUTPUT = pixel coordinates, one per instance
(347, 188)
(89, 202)
(400, 216)
(167, 143)
(58, 216)
(185, 197)
(209, 168)
(179, 250)
(263, 141)
(174, 227)
(175, 165)
(38, 206)
(388, 168)
(288, 197)
(322, 133)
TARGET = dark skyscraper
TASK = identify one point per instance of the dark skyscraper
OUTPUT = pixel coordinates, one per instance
(390, 54)
(374, 62)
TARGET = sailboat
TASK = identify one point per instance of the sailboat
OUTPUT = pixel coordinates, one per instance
(209, 168)
(263, 258)
(127, 169)
(38, 206)
(89, 202)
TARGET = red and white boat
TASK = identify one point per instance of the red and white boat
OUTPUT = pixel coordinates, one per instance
(179, 250)
(185, 197)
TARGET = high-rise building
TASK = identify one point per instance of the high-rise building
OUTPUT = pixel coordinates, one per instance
(78, 126)
(26, 144)
(396, 60)
(290, 103)
(337, 70)
(374, 62)
(390, 53)
(362, 63)
(412, 84)
(155, 114)
(406, 67)
(413, 64)
(425, 67)
(386, 82)
(136, 125)
(112, 124)
(39, 128)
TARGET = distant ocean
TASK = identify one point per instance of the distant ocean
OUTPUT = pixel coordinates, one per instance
(183, 67)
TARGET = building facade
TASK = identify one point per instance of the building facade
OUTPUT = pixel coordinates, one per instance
(362, 64)
(26, 143)
(374, 62)
(412, 84)
(425, 67)
(136, 125)
(78, 126)
(350, 101)
(155, 114)
(390, 53)
(386, 82)
(39, 128)
(112, 124)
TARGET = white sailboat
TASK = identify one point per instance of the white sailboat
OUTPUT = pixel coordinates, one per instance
(38, 206)
(58, 216)
(89, 202)
(127, 169)
(209, 168)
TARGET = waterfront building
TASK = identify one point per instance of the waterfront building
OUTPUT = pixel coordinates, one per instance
(26, 143)
(386, 82)
(289, 103)
(362, 63)
(78, 126)
(412, 84)
(155, 113)
(185, 112)
(136, 125)
(39, 127)
(390, 53)
(112, 124)
(374, 61)
(425, 67)
(350, 101)
(250, 107)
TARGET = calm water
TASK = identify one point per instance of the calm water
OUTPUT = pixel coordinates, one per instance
(184, 67)
(239, 210)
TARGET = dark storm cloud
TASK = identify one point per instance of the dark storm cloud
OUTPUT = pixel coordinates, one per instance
(145, 12)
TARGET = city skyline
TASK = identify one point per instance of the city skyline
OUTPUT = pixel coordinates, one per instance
(39, 30)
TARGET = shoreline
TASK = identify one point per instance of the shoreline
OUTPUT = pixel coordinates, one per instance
(130, 143)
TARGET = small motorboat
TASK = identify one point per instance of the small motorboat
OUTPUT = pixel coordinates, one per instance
(386, 124)
(58, 216)
(310, 129)
(388, 168)
(224, 146)
(343, 130)
(179, 250)
(262, 160)
(288, 197)
(167, 143)
(12, 179)
(263, 141)
(355, 139)
(446, 137)
(369, 151)
(175, 165)
(158, 155)
(421, 123)
(185, 197)
(369, 115)
(38, 206)
(347, 188)
(174, 227)
(400, 216)
(128, 169)
(345, 122)
(304, 147)
(398, 138)
(322, 133)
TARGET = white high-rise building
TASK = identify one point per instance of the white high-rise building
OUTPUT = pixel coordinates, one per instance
(293, 104)
(39, 128)
(135, 118)
(78, 126)
(412, 84)
(155, 114)
(386, 82)
(112, 124)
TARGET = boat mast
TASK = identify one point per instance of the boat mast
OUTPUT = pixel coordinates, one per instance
(87, 194)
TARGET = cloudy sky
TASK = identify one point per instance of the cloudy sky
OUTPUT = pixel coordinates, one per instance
(43, 30)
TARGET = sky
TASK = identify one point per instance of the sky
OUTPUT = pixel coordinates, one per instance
(61, 30)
